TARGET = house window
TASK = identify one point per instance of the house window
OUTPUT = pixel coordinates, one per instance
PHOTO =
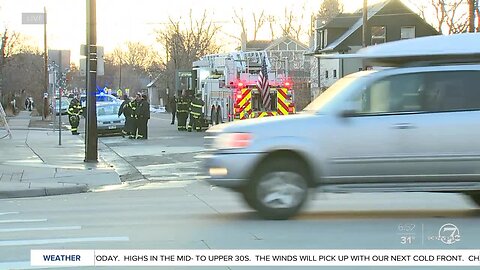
(326, 74)
(379, 34)
(334, 73)
(407, 32)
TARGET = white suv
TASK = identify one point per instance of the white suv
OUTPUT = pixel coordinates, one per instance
(404, 129)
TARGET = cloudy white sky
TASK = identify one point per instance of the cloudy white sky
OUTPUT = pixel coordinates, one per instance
(119, 21)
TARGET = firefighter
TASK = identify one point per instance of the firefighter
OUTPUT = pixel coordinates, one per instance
(134, 115)
(143, 116)
(196, 108)
(74, 111)
(182, 111)
(125, 109)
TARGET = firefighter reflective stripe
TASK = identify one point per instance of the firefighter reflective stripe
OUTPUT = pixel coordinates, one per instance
(282, 102)
(74, 110)
(133, 107)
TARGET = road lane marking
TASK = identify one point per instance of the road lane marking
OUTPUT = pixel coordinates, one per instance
(41, 229)
(22, 220)
(8, 213)
(61, 241)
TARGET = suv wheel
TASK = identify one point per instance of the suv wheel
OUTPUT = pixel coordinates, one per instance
(278, 189)
(475, 198)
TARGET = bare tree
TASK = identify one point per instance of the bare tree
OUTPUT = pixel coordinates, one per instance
(450, 16)
(239, 20)
(259, 20)
(271, 23)
(185, 42)
(291, 24)
(9, 45)
(287, 24)
(131, 66)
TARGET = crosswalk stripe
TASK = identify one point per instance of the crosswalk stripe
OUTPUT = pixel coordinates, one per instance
(41, 229)
(22, 220)
(8, 213)
(29, 242)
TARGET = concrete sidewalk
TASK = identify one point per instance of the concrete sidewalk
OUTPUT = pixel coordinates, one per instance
(33, 164)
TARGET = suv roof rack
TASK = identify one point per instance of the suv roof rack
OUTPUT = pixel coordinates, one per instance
(430, 50)
(424, 60)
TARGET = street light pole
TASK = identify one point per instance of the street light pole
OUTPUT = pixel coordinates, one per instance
(91, 140)
(45, 56)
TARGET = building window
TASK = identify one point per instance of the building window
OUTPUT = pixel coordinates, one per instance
(326, 74)
(379, 34)
(334, 73)
(407, 32)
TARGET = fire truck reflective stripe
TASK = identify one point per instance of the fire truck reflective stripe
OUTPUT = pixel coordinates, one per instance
(282, 107)
(246, 96)
(265, 114)
(282, 92)
(282, 103)
(245, 111)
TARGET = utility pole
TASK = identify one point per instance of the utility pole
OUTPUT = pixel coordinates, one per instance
(91, 141)
(364, 25)
(45, 56)
(471, 16)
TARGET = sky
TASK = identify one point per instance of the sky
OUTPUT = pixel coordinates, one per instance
(119, 21)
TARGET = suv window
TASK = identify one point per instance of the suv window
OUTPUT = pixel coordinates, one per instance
(453, 90)
(398, 93)
(429, 91)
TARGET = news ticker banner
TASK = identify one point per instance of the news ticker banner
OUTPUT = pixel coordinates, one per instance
(262, 257)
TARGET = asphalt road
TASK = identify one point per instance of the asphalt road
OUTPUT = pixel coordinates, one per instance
(192, 215)
(167, 155)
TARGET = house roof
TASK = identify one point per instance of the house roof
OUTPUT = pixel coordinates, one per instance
(371, 11)
(277, 41)
(258, 45)
(265, 45)
(342, 20)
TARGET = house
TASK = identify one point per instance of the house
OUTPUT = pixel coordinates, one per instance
(389, 20)
(287, 56)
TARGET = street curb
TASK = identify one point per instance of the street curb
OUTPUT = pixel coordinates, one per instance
(43, 191)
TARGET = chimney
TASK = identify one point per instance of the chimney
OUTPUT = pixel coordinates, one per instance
(244, 42)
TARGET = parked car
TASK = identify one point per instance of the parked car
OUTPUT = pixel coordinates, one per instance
(63, 108)
(412, 128)
(100, 98)
(108, 120)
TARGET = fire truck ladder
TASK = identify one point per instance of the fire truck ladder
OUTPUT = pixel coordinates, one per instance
(3, 119)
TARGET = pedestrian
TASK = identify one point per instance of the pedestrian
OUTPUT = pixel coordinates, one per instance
(213, 115)
(143, 117)
(173, 108)
(31, 105)
(126, 110)
(74, 111)
(219, 119)
(134, 106)
(27, 103)
(196, 108)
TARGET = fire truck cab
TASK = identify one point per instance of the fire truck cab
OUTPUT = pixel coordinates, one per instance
(228, 84)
